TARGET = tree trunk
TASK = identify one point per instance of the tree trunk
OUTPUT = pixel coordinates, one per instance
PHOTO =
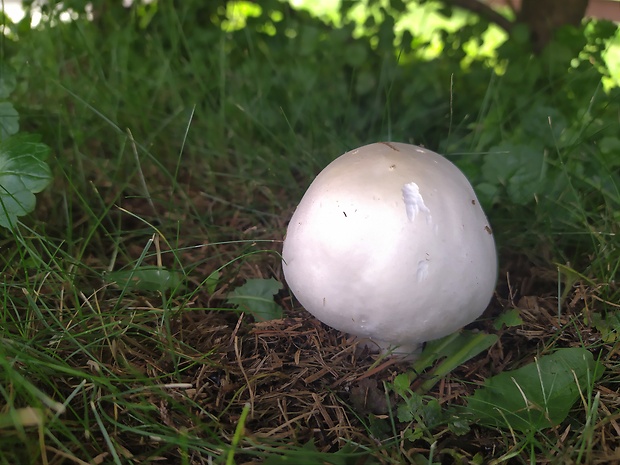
(545, 17)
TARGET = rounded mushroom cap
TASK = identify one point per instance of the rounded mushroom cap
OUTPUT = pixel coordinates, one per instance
(390, 243)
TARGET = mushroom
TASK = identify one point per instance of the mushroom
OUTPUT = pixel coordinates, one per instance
(390, 244)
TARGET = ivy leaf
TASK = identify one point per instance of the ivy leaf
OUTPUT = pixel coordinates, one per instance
(538, 395)
(23, 173)
(256, 297)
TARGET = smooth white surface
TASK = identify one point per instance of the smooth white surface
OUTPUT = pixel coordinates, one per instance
(390, 243)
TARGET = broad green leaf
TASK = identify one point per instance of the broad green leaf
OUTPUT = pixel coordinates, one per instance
(8, 82)
(145, 279)
(23, 173)
(538, 395)
(15, 200)
(488, 195)
(256, 298)
(520, 168)
(9, 120)
(544, 124)
(25, 156)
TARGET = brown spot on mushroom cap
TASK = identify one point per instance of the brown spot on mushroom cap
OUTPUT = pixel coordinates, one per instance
(487, 228)
(473, 201)
(390, 146)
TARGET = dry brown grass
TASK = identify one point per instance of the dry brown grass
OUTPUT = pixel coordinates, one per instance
(306, 382)
(193, 369)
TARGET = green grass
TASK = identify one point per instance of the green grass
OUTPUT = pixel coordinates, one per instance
(183, 149)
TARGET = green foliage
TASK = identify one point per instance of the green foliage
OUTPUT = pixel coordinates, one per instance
(9, 119)
(145, 278)
(426, 411)
(23, 173)
(520, 169)
(256, 298)
(308, 454)
(212, 281)
(23, 167)
(453, 350)
(440, 357)
(540, 133)
(421, 414)
(509, 318)
(535, 134)
(536, 396)
(242, 103)
(608, 324)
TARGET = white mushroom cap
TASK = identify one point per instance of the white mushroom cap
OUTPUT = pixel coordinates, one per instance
(390, 243)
